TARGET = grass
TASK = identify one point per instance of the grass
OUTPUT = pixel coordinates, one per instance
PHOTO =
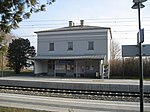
(147, 79)
(12, 109)
(8, 72)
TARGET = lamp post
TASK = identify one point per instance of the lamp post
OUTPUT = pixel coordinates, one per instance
(2, 66)
(2, 60)
(137, 5)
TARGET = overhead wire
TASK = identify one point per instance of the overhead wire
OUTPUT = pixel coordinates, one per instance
(111, 22)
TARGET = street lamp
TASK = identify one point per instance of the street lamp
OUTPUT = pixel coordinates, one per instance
(137, 5)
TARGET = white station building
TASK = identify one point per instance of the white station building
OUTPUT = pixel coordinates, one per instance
(74, 51)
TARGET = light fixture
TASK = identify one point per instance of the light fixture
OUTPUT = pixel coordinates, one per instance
(139, 1)
(135, 6)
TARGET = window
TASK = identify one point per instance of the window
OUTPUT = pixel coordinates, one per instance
(61, 67)
(90, 45)
(70, 45)
(70, 67)
(51, 46)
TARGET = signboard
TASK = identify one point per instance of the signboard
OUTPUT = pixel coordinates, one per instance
(133, 50)
(140, 36)
(137, 1)
(66, 61)
(130, 51)
(146, 50)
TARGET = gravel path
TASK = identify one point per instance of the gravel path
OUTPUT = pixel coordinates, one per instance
(76, 96)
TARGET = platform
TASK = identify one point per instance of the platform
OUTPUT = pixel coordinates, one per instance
(76, 84)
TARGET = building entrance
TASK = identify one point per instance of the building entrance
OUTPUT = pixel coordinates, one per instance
(65, 68)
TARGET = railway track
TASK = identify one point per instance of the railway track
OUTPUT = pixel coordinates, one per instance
(96, 95)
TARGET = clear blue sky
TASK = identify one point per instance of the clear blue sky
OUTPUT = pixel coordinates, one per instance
(116, 14)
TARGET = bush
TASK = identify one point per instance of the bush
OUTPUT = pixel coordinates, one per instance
(129, 68)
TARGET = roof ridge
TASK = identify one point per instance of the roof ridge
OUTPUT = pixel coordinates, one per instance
(77, 27)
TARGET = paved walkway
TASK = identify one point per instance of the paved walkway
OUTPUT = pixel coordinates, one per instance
(75, 80)
(67, 104)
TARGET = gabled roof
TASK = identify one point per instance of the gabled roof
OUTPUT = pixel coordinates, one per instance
(74, 28)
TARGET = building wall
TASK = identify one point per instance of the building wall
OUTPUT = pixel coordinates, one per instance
(108, 47)
(40, 67)
(80, 39)
(80, 42)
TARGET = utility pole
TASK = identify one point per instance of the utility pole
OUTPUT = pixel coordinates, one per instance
(137, 5)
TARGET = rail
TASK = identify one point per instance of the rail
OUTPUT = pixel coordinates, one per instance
(99, 95)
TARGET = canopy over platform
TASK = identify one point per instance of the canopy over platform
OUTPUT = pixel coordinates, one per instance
(95, 57)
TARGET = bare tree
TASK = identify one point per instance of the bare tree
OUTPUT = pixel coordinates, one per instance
(8, 38)
(115, 50)
(115, 61)
(5, 39)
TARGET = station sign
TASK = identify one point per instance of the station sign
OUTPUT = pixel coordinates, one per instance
(140, 36)
(146, 50)
(130, 51)
(133, 50)
(66, 61)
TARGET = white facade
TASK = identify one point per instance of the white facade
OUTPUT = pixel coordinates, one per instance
(80, 37)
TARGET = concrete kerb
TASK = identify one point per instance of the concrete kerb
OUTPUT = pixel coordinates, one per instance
(76, 86)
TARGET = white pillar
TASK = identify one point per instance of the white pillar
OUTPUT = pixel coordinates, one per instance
(37, 67)
(101, 62)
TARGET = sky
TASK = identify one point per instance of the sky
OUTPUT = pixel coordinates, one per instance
(116, 14)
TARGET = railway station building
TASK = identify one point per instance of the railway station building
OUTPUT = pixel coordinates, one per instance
(74, 51)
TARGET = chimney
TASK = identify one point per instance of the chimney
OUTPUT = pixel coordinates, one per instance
(70, 23)
(82, 23)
